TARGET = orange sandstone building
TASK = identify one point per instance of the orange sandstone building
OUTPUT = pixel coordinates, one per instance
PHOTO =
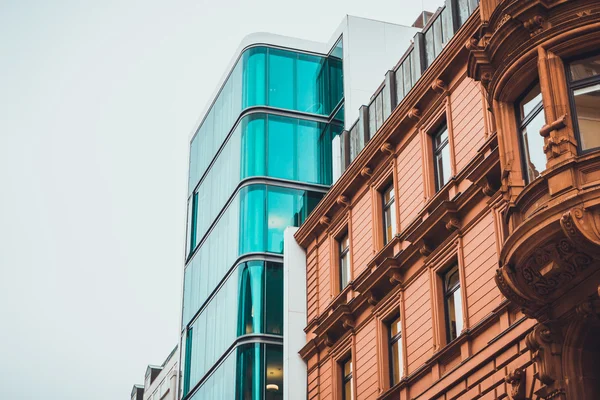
(458, 255)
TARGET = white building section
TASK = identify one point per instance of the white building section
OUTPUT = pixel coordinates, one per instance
(294, 317)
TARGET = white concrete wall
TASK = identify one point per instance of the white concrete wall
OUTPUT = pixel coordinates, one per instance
(294, 317)
(371, 48)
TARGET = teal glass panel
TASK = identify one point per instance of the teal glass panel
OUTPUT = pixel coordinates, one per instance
(255, 73)
(256, 213)
(249, 377)
(308, 98)
(249, 302)
(187, 361)
(273, 372)
(252, 221)
(281, 206)
(282, 147)
(274, 299)
(251, 290)
(253, 145)
(282, 65)
(295, 81)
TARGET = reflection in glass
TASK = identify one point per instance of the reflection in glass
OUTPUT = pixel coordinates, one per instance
(266, 77)
(453, 304)
(395, 343)
(441, 155)
(344, 251)
(274, 372)
(347, 389)
(587, 105)
(389, 214)
(531, 122)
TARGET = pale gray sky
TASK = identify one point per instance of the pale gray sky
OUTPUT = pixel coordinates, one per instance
(97, 103)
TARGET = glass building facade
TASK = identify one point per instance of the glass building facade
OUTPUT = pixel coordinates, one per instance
(260, 161)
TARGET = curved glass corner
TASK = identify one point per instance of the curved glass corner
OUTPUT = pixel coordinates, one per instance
(262, 145)
(252, 371)
(249, 302)
(271, 77)
(253, 223)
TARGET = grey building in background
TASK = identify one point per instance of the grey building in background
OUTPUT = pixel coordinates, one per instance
(160, 382)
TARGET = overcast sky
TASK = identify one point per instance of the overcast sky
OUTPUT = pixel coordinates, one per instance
(97, 103)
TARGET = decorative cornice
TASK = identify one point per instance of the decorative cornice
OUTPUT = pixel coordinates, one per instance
(390, 130)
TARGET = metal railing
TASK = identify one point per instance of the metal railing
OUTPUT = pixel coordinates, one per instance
(424, 49)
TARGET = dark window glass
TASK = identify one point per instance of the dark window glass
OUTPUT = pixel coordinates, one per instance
(452, 304)
(585, 90)
(395, 343)
(389, 214)
(273, 373)
(347, 390)
(441, 156)
(531, 120)
(344, 249)
(274, 299)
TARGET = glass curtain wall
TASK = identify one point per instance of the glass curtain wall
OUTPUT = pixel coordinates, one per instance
(266, 77)
(261, 213)
(250, 301)
(251, 371)
(262, 145)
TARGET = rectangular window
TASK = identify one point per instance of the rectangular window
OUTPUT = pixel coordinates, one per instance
(389, 214)
(452, 304)
(585, 93)
(441, 157)
(531, 120)
(395, 343)
(347, 390)
(344, 249)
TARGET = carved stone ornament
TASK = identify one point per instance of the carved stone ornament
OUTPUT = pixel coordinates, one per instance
(582, 227)
(387, 148)
(348, 323)
(395, 278)
(325, 220)
(439, 86)
(343, 201)
(453, 224)
(425, 250)
(516, 380)
(545, 351)
(414, 113)
(535, 24)
(366, 172)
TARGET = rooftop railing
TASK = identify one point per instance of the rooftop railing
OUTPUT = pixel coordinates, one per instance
(424, 49)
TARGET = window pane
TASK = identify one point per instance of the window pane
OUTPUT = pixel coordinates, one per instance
(280, 216)
(281, 147)
(252, 219)
(347, 368)
(281, 78)
(532, 99)
(274, 373)
(585, 68)
(348, 390)
(533, 144)
(587, 104)
(254, 77)
(274, 299)
(307, 96)
(396, 351)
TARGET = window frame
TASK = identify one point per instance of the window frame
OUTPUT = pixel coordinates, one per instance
(437, 150)
(449, 293)
(390, 206)
(344, 252)
(391, 341)
(522, 122)
(571, 87)
(347, 379)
